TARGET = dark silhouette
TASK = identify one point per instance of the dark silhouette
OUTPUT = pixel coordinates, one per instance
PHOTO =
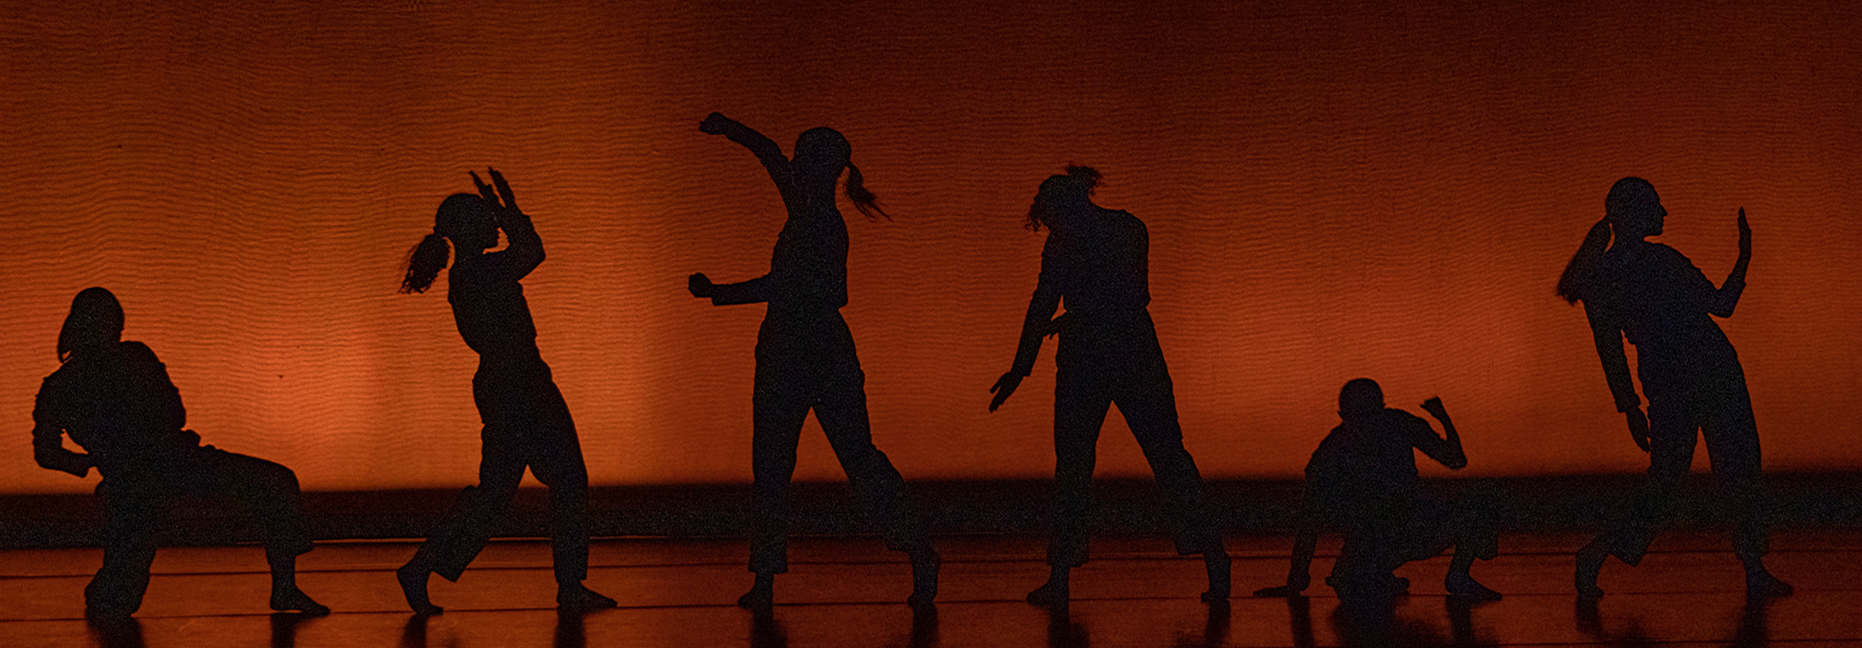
(527, 423)
(414, 632)
(805, 357)
(284, 629)
(1095, 258)
(924, 627)
(121, 632)
(570, 631)
(1653, 296)
(766, 631)
(1063, 632)
(1362, 480)
(1215, 629)
(1299, 621)
(114, 399)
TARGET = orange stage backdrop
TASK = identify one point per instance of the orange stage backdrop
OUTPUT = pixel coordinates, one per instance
(1359, 190)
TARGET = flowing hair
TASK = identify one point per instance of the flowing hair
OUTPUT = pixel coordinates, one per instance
(430, 256)
(863, 199)
(1581, 271)
(1080, 181)
(1628, 197)
(822, 144)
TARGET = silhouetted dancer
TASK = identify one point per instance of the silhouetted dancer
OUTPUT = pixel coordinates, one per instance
(1095, 259)
(1362, 480)
(805, 358)
(1652, 295)
(526, 421)
(116, 402)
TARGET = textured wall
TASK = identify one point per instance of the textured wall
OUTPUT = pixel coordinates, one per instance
(1358, 190)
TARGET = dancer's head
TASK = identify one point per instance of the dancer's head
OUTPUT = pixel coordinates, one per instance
(1633, 209)
(95, 321)
(820, 154)
(1359, 398)
(465, 220)
(1062, 199)
(1631, 212)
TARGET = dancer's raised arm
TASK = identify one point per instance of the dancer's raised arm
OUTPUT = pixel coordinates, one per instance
(765, 149)
(1448, 450)
(1726, 297)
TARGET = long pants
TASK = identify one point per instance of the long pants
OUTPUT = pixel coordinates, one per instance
(1383, 533)
(803, 363)
(136, 497)
(1709, 396)
(527, 425)
(1100, 364)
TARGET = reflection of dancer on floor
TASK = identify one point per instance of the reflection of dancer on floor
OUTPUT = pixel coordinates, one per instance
(805, 357)
(1362, 480)
(1095, 259)
(116, 402)
(1653, 296)
(527, 423)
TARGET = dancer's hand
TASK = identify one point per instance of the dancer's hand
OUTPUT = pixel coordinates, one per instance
(1004, 386)
(699, 284)
(1745, 234)
(714, 124)
(1434, 407)
(1638, 427)
(1058, 324)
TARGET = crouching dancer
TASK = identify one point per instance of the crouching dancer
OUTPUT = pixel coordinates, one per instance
(114, 399)
(1362, 481)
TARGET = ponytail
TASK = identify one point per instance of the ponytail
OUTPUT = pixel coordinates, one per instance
(424, 263)
(1581, 272)
(863, 200)
(1086, 176)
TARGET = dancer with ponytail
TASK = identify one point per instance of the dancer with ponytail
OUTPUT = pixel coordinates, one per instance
(1096, 259)
(805, 357)
(1653, 296)
(526, 421)
(114, 398)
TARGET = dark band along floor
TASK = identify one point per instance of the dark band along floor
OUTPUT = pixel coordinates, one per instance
(849, 591)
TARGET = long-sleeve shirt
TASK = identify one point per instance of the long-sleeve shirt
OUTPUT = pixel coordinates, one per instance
(1101, 272)
(487, 298)
(116, 403)
(1652, 295)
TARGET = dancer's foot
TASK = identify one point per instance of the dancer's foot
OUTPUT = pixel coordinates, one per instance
(295, 600)
(925, 566)
(1762, 585)
(576, 599)
(102, 615)
(1216, 563)
(1052, 594)
(414, 588)
(761, 596)
(1464, 586)
(1589, 563)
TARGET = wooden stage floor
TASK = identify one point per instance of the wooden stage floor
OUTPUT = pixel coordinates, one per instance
(849, 591)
